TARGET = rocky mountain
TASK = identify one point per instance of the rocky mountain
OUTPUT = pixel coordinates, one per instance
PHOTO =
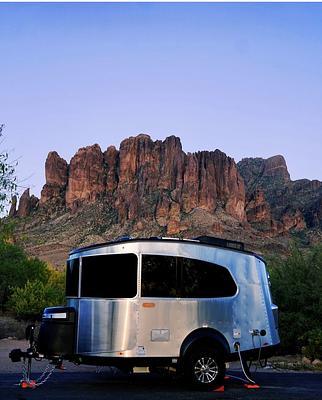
(275, 204)
(149, 188)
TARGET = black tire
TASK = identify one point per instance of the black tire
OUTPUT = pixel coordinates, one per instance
(205, 368)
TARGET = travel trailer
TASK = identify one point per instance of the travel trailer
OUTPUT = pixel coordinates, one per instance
(193, 304)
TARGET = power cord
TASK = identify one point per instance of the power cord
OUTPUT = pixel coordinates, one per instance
(242, 364)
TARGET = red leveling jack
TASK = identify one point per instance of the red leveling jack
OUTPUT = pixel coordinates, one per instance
(247, 385)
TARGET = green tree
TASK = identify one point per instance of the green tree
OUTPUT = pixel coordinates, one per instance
(55, 287)
(8, 183)
(297, 289)
(7, 227)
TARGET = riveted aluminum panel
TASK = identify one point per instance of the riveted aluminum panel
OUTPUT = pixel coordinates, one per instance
(106, 326)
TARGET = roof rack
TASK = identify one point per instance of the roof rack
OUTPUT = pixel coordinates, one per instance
(210, 240)
(232, 244)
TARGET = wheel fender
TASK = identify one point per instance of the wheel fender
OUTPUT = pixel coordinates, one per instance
(204, 336)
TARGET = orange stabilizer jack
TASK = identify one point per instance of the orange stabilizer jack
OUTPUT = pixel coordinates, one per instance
(219, 389)
(251, 386)
(30, 384)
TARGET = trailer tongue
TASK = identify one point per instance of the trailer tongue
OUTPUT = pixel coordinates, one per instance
(27, 356)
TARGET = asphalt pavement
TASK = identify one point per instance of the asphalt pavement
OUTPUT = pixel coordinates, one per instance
(83, 382)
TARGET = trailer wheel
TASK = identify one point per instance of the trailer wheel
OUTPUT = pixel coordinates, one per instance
(205, 368)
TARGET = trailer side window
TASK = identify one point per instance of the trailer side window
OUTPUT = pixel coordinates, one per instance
(159, 276)
(166, 276)
(204, 279)
(109, 276)
(72, 275)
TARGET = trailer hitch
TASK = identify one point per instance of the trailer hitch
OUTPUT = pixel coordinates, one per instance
(26, 357)
(17, 354)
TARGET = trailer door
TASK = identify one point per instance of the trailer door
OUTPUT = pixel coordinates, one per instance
(107, 320)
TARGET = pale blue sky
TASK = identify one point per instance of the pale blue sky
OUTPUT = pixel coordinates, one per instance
(244, 78)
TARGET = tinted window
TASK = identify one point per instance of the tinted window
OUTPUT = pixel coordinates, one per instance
(159, 276)
(109, 276)
(72, 274)
(204, 279)
(166, 276)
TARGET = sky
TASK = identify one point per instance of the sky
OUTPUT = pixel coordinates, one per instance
(243, 78)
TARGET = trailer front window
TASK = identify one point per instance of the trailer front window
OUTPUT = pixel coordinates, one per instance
(72, 275)
(109, 276)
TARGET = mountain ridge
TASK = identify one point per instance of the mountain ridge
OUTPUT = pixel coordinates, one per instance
(154, 188)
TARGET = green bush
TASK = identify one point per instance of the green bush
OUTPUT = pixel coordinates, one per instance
(313, 347)
(297, 290)
(27, 285)
(16, 269)
(28, 302)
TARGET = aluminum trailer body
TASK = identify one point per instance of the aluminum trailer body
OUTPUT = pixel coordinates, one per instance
(162, 301)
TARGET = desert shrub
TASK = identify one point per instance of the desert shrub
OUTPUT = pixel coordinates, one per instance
(28, 302)
(16, 268)
(297, 290)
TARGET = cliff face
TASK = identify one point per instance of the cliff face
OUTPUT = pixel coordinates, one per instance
(276, 204)
(150, 188)
(158, 181)
(56, 171)
(85, 182)
(146, 180)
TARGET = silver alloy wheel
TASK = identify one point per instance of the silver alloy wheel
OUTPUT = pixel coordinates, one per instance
(206, 369)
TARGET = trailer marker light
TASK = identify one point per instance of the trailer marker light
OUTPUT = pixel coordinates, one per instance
(148, 305)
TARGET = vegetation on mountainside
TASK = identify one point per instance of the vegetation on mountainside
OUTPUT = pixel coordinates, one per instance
(297, 290)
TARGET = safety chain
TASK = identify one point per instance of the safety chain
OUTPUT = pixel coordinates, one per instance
(24, 370)
(27, 382)
(45, 375)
